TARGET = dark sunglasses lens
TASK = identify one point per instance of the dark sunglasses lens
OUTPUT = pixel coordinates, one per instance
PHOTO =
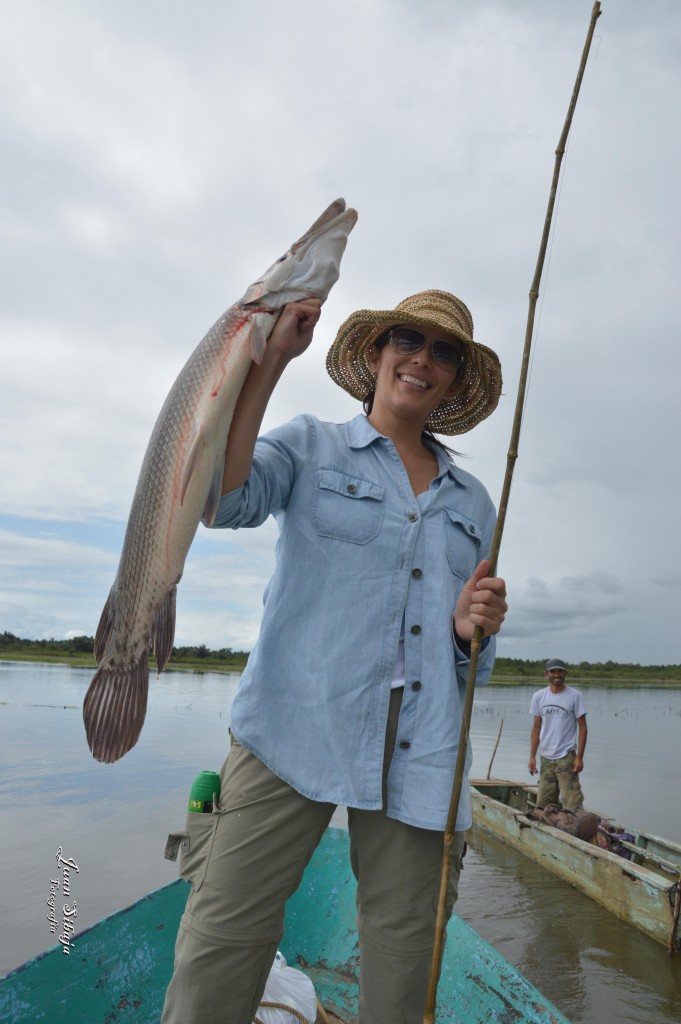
(447, 355)
(407, 341)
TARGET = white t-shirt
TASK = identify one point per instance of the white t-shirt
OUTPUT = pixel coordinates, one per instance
(559, 713)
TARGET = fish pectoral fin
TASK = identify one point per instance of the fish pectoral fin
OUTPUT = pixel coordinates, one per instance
(195, 452)
(163, 629)
(257, 337)
(106, 622)
(114, 709)
(214, 494)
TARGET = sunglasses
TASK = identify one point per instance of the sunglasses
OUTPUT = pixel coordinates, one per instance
(407, 341)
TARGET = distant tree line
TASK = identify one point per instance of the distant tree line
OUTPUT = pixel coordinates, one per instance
(504, 668)
(9, 643)
(585, 670)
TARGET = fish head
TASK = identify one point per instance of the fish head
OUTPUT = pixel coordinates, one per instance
(310, 267)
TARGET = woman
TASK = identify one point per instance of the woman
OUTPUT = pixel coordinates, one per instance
(353, 693)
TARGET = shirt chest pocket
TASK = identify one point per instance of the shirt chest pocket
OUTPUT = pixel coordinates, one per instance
(462, 543)
(347, 507)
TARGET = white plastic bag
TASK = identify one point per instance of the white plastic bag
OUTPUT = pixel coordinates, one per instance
(291, 987)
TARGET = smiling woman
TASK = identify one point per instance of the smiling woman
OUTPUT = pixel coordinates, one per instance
(414, 372)
(349, 696)
(422, 361)
(430, 314)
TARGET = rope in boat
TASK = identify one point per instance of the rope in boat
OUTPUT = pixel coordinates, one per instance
(283, 1006)
(296, 1013)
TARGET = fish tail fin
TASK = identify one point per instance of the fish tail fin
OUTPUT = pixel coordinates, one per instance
(163, 629)
(114, 709)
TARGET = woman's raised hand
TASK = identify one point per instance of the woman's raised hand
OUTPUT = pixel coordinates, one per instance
(294, 329)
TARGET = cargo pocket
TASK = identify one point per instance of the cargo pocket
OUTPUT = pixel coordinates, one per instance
(195, 844)
(347, 507)
(462, 543)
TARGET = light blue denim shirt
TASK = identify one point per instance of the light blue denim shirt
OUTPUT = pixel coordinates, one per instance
(358, 552)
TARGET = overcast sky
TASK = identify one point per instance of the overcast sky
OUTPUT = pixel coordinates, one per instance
(158, 155)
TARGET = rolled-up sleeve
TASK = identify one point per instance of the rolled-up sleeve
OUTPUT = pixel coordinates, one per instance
(278, 458)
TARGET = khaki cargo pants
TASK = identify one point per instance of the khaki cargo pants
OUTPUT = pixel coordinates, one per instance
(558, 777)
(262, 838)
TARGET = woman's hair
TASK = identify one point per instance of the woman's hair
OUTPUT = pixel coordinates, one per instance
(427, 436)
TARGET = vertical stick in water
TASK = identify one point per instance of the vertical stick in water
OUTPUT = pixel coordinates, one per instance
(489, 770)
(429, 1012)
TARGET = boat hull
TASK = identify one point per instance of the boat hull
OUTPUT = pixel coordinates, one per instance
(638, 895)
(119, 969)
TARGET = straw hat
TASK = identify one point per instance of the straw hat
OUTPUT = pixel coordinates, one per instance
(478, 380)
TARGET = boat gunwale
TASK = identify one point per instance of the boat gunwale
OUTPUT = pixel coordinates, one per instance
(162, 889)
(478, 967)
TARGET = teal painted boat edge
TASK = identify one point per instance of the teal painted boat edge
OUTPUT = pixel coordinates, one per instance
(118, 969)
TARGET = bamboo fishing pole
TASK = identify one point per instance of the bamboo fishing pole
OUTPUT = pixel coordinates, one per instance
(429, 1012)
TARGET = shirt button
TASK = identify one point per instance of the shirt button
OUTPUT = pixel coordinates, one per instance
(416, 685)
(417, 573)
(351, 489)
(405, 745)
(416, 630)
(412, 517)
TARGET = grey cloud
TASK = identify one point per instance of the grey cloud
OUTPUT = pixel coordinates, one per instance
(673, 582)
(593, 583)
(136, 208)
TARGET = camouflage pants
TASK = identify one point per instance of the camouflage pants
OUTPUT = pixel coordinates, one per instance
(557, 777)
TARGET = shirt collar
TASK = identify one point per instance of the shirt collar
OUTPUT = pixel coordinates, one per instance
(361, 434)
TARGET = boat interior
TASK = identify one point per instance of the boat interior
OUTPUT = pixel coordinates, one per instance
(640, 847)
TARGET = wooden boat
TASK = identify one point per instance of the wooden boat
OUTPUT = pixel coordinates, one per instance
(118, 970)
(644, 891)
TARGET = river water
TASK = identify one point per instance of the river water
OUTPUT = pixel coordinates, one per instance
(112, 820)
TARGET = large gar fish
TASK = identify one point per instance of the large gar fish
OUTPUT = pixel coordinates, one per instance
(180, 482)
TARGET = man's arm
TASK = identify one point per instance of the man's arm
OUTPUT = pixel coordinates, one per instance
(534, 744)
(578, 763)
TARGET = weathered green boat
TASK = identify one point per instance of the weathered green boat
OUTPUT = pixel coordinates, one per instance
(641, 884)
(118, 970)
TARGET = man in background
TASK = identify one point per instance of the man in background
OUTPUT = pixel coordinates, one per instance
(559, 728)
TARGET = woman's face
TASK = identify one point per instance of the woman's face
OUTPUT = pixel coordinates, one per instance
(413, 384)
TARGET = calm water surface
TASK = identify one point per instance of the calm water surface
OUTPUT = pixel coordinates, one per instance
(113, 821)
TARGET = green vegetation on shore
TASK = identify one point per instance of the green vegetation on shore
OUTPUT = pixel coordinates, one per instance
(517, 670)
(507, 671)
(79, 651)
